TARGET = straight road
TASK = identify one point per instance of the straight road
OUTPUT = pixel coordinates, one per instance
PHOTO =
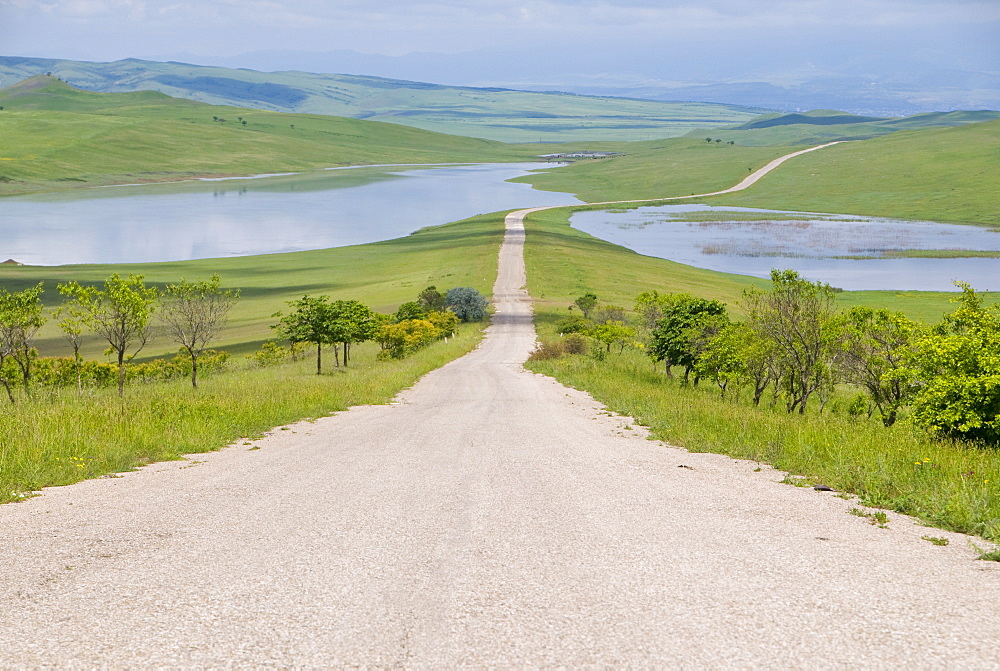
(489, 517)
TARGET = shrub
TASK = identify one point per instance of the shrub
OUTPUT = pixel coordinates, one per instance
(402, 339)
(467, 303)
(548, 349)
(574, 324)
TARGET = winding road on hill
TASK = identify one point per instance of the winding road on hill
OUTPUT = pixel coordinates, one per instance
(490, 517)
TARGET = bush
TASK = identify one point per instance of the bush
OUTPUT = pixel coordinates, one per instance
(402, 339)
(467, 303)
(574, 324)
(575, 343)
(270, 354)
(549, 349)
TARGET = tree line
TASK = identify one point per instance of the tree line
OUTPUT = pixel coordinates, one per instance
(125, 311)
(795, 346)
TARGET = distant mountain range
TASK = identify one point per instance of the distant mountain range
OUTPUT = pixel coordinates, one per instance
(892, 84)
(490, 113)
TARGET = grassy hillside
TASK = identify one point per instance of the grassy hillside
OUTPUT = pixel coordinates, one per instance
(54, 136)
(497, 114)
(947, 174)
(672, 167)
(942, 174)
(382, 275)
(821, 126)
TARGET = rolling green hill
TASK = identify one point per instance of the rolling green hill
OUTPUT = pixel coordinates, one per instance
(940, 174)
(497, 114)
(54, 136)
(820, 126)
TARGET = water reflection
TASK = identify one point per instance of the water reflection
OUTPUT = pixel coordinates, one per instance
(752, 242)
(200, 219)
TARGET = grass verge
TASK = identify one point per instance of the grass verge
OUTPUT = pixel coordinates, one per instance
(59, 438)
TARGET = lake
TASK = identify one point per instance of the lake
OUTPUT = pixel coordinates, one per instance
(751, 242)
(236, 217)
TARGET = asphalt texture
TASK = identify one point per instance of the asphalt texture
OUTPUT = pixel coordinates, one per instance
(489, 517)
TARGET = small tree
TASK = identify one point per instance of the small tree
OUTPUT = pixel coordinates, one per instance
(20, 318)
(959, 363)
(586, 303)
(796, 316)
(684, 330)
(409, 310)
(74, 319)
(877, 351)
(352, 322)
(121, 314)
(431, 300)
(613, 333)
(194, 313)
(467, 303)
(309, 322)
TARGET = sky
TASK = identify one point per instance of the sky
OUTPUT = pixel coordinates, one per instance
(682, 40)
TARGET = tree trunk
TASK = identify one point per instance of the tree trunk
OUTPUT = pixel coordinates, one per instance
(319, 358)
(121, 373)
(79, 370)
(194, 370)
(6, 386)
(336, 355)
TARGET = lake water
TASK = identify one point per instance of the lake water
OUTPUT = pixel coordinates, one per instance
(237, 217)
(720, 239)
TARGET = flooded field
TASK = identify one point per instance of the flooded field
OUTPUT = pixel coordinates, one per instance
(846, 251)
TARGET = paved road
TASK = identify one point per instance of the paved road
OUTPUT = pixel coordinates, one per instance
(490, 517)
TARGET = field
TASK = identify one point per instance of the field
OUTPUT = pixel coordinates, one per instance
(495, 114)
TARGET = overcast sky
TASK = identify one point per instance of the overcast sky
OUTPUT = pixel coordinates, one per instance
(965, 32)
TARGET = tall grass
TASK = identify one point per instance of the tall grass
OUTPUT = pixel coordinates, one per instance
(57, 438)
(944, 484)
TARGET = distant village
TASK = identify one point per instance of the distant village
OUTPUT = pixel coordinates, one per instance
(580, 154)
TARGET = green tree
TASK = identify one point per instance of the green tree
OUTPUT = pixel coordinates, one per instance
(586, 303)
(959, 364)
(467, 303)
(877, 348)
(194, 313)
(684, 330)
(309, 322)
(431, 300)
(351, 322)
(613, 333)
(796, 316)
(20, 318)
(74, 320)
(409, 310)
(120, 313)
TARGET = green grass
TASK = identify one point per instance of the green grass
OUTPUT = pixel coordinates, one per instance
(56, 137)
(944, 175)
(900, 468)
(675, 167)
(381, 274)
(496, 114)
(58, 438)
(935, 174)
